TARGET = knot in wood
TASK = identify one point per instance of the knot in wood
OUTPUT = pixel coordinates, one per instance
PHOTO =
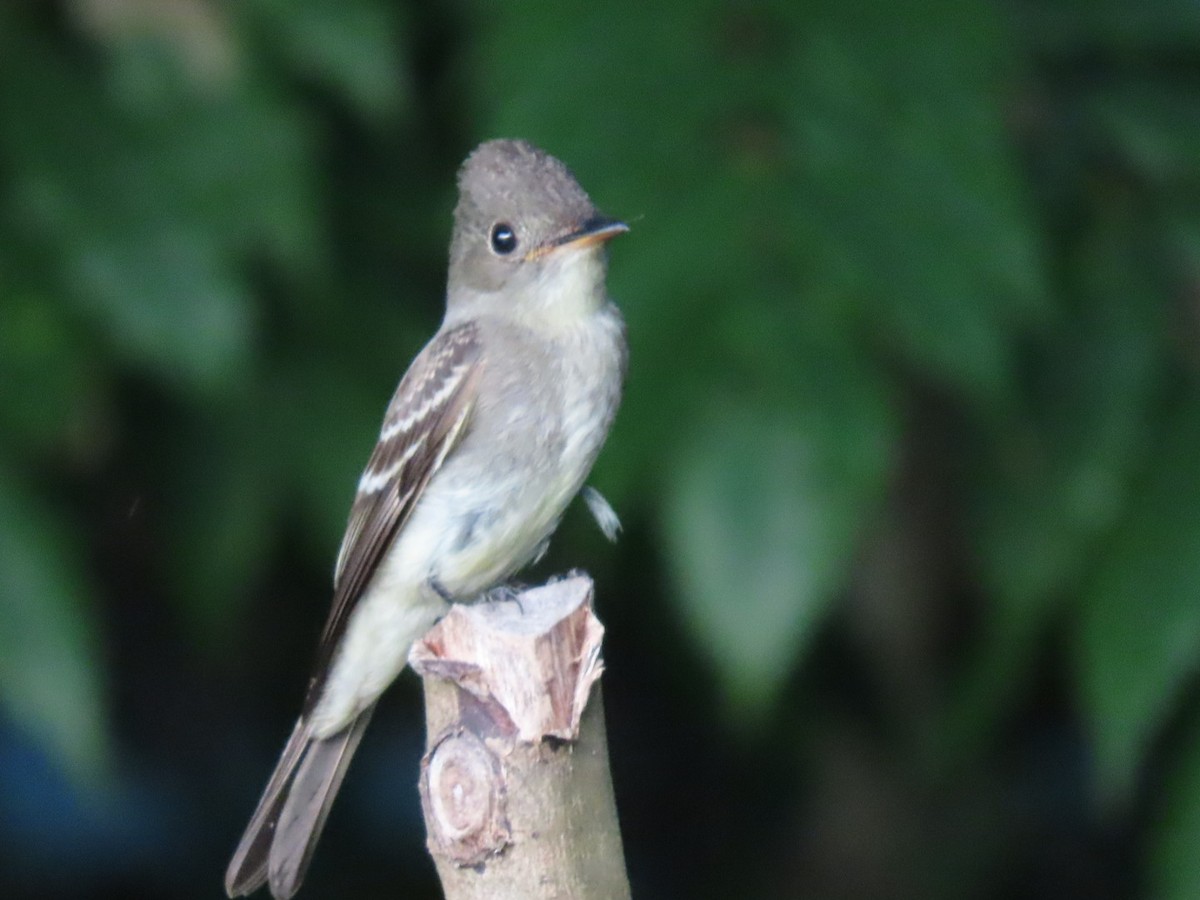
(465, 798)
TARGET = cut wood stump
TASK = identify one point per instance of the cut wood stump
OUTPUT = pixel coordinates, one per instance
(515, 785)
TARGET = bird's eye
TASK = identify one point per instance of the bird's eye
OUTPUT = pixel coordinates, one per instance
(504, 239)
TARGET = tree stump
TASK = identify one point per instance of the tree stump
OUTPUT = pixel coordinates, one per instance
(515, 784)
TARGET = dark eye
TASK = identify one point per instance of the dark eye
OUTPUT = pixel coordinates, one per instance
(504, 239)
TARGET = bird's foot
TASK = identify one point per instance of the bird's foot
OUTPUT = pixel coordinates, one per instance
(505, 593)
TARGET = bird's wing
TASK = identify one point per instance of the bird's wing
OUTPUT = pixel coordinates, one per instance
(424, 421)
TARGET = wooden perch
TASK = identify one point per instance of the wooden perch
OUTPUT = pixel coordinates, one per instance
(515, 786)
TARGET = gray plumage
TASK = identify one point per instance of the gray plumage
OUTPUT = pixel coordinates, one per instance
(489, 436)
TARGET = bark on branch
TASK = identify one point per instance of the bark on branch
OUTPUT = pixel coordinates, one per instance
(515, 784)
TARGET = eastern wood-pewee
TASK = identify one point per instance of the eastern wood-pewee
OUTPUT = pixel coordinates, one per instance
(490, 434)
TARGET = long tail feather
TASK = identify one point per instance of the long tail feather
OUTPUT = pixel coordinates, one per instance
(278, 843)
(303, 813)
(248, 869)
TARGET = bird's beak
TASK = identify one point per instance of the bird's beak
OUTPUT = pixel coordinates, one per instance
(595, 230)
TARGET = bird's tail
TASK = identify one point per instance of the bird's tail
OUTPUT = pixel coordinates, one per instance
(278, 843)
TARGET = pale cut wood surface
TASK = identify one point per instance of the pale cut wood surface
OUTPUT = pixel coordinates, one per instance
(515, 784)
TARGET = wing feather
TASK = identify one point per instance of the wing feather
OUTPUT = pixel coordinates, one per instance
(425, 419)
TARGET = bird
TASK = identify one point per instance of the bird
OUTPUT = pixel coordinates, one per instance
(490, 434)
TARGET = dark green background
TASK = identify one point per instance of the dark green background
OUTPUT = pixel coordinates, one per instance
(908, 599)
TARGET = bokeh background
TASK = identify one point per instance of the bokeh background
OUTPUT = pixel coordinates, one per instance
(908, 599)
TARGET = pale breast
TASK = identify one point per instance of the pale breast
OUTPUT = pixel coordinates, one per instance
(542, 417)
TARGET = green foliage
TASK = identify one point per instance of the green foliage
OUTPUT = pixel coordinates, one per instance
(1133, 666)
(50, 674)
(1174, 869)
(149, 224)
(945, 245)
(147, 183)
(347, 46)
(754, 588)
(1052, 480)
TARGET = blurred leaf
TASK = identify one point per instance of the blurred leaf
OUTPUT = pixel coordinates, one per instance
(329, 421)
(764, 508)
(51, 676)
(227, 484)
(351, 45)
(1051, 485)
(1173, 865)
(1155, 129)
(898, 126)
(178, 189)
(1093, 395)
(1138, 625)
(50, 370)
(1069, 26)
